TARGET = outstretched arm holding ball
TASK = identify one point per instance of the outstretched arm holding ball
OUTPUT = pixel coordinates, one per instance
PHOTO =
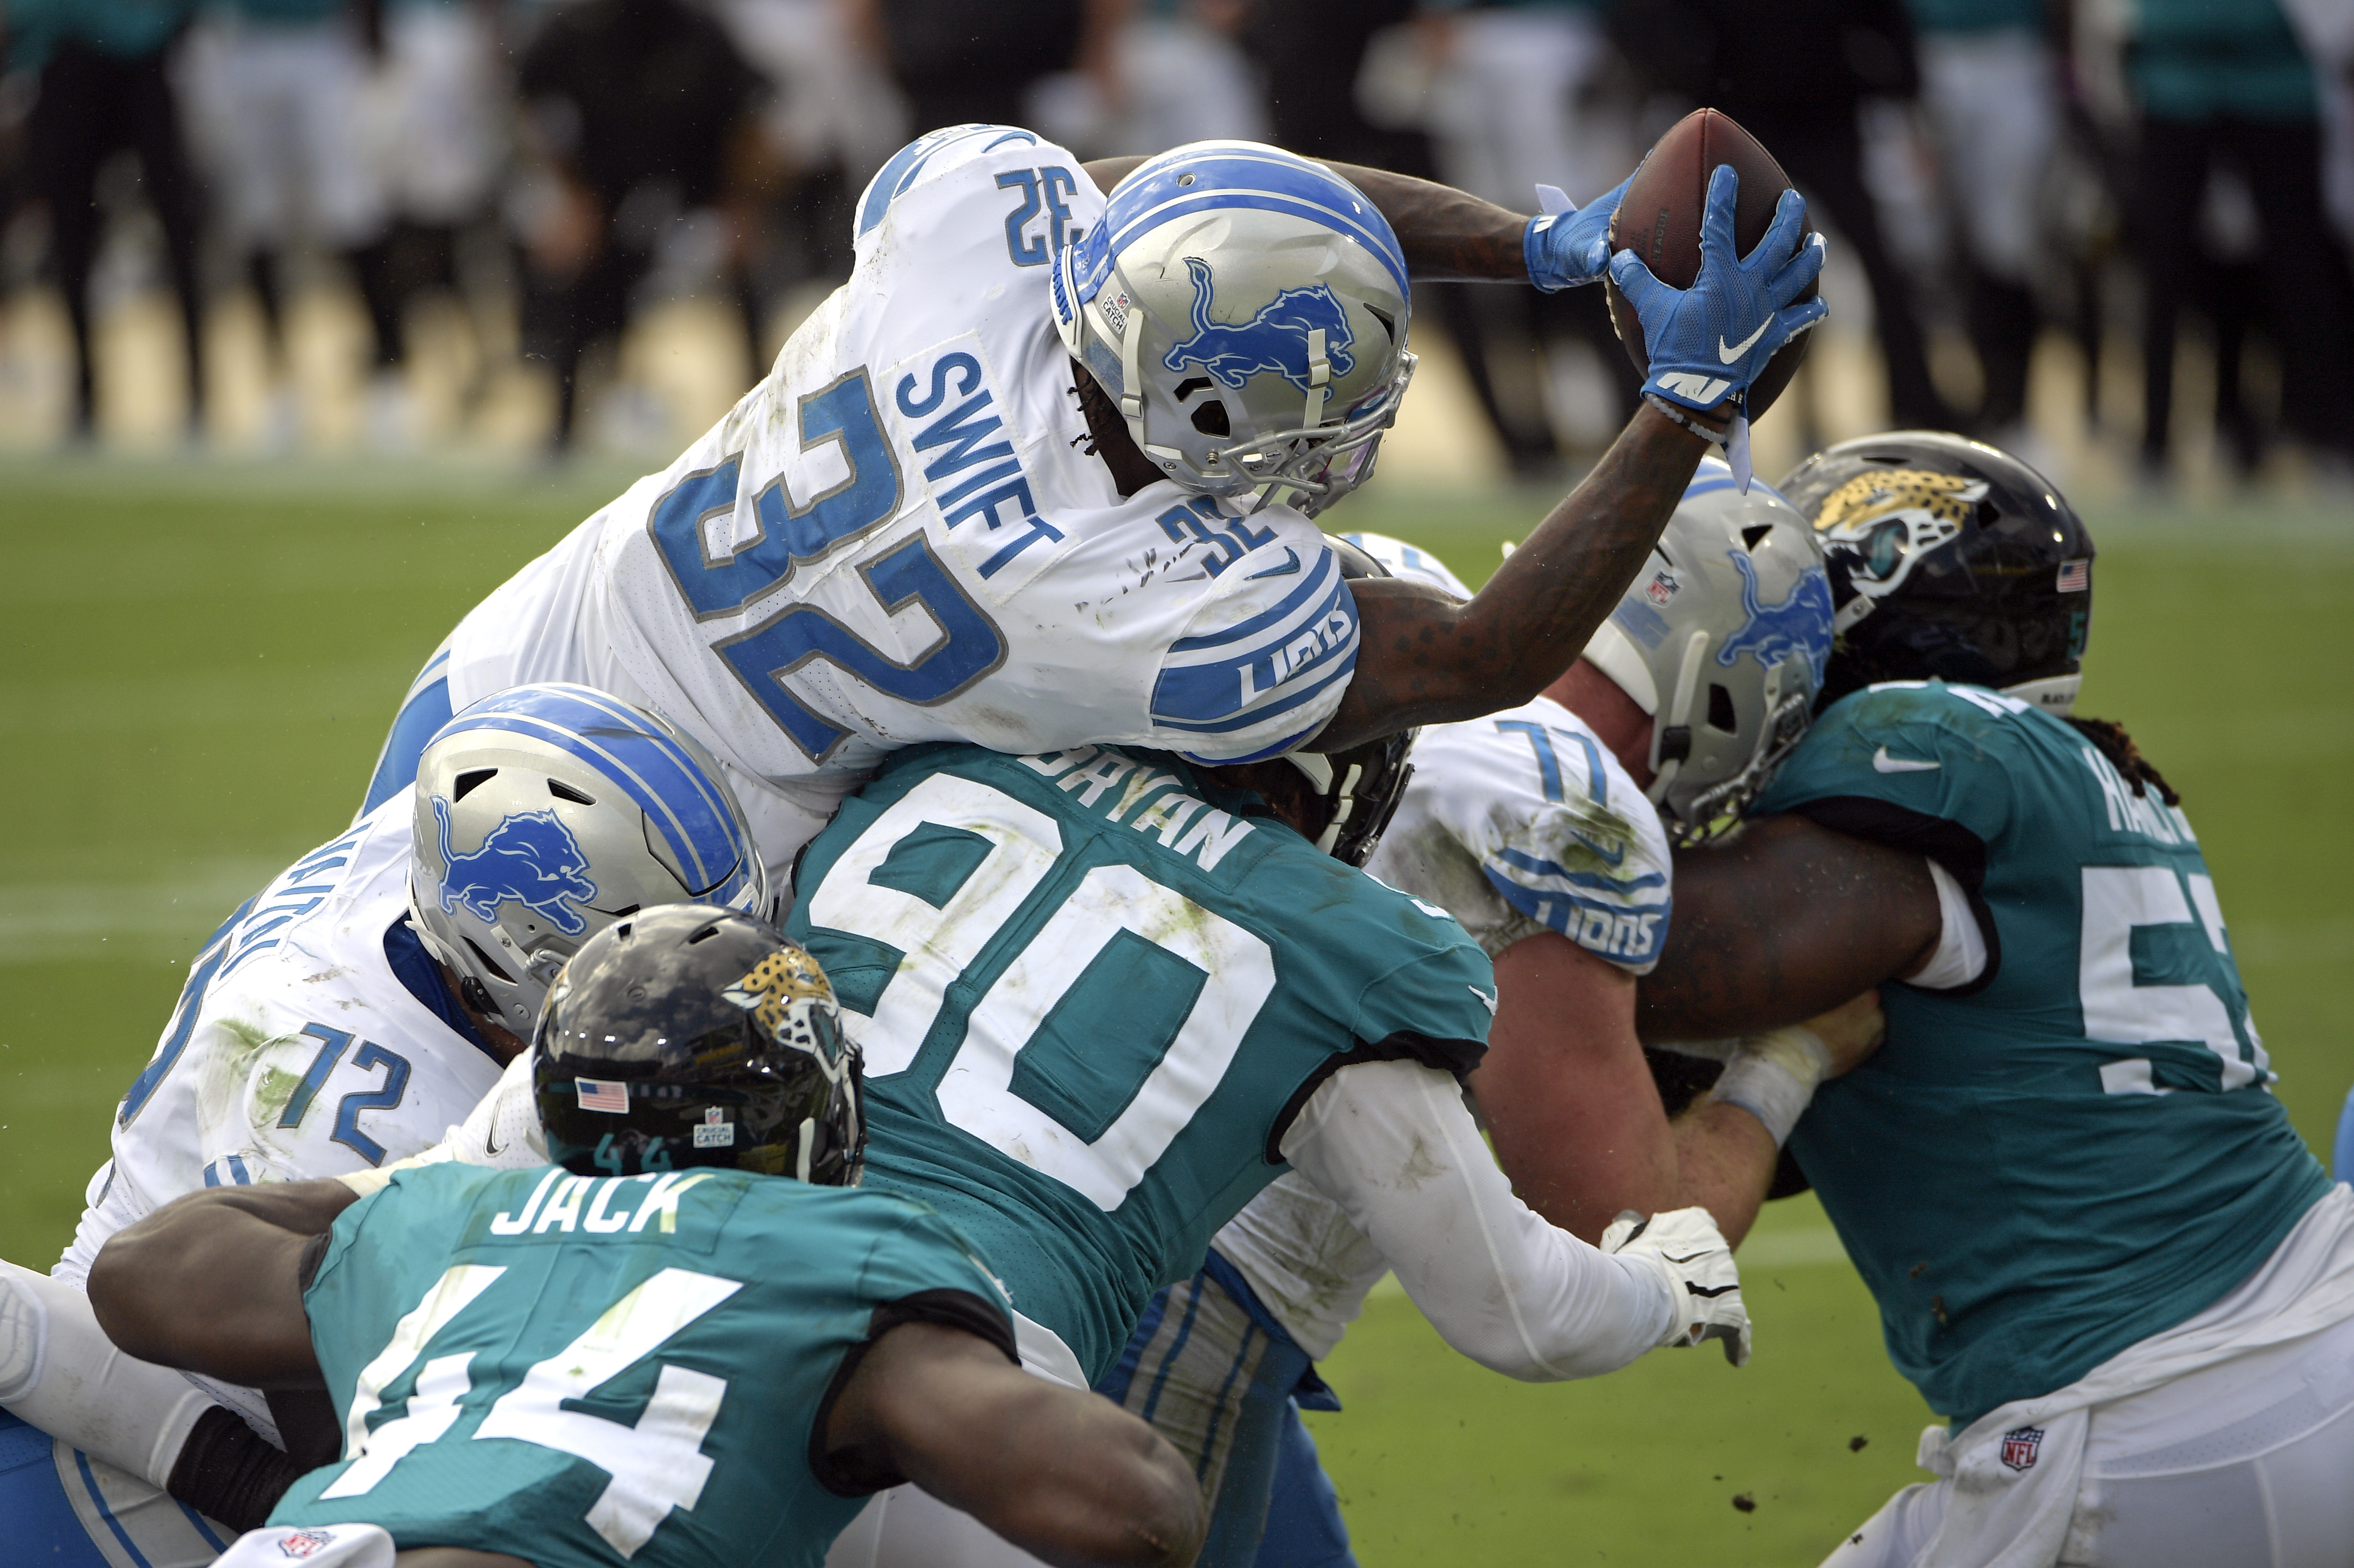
(1428, 658)
(1707, 343)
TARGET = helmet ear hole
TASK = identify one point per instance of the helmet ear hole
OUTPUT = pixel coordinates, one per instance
(1721, 714)
(1210, 419)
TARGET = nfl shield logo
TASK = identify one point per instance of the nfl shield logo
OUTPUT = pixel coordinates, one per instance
(1663, 587)
(2020, 1446)
(305, 1542)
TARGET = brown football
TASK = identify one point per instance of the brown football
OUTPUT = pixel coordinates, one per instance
(1658, 220)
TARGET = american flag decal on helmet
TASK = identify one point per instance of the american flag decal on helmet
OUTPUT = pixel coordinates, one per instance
(2075, 576)
(603, 1094)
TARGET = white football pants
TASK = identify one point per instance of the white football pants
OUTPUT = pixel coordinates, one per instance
(2248, 1463)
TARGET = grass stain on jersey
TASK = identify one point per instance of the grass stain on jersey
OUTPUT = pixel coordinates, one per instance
(228, 1067)
(271, 1091)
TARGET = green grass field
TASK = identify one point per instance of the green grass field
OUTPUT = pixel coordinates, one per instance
(202, 663)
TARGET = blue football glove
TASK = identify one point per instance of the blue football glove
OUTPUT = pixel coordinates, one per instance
(1572, 247)
(1710, 341)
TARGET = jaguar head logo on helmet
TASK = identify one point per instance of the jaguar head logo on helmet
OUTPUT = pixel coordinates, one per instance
(1950, 559)
(694, 1034)
(1246, 311)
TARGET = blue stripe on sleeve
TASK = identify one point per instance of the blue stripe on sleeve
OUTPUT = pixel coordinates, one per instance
(1277, 749)
(1231, 689)
(1538, 867)
(908, 162)
(1318, 581)
(1630, 933)
(1289, 701)
(425, 712)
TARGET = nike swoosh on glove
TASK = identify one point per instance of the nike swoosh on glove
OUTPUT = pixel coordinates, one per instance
(1708, 341)
(1684, 1245)
(1571, 248)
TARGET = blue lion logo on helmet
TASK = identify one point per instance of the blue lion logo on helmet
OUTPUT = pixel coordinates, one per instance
(1801, 624)
(531, 858)
(1276, 339)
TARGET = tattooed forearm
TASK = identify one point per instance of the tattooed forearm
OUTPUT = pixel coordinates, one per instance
(1426, 660)
(1787, 921)
(1445, 234)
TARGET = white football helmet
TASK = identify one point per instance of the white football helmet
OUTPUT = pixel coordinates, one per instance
(1721, 638)
(543, 813)
(1246, 309)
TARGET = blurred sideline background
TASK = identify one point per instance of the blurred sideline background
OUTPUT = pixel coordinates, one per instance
(2107, 235)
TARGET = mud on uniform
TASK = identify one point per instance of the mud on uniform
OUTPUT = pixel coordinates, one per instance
(1520, 822)
(897, 537)
(1103, 1007)
(314, 1036)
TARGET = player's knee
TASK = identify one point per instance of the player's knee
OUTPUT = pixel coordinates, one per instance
(1895, 1535)
(23, 1329)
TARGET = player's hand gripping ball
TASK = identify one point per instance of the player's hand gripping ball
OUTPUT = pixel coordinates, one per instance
(1707, 343)
(1567, 249)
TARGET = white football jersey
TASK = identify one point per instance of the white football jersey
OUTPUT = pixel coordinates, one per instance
(899, 536)
(1516, 823)
(296, 1050)
(1523, 821)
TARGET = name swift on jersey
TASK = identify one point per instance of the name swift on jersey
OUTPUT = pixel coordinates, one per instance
(894, 539)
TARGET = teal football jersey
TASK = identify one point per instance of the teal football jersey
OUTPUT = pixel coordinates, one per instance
(598, 1372)
(1091, 993)
(2081, 1149)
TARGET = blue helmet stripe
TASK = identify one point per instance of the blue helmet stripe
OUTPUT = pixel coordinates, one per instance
(1250, 178)
(657, 773)
(1710, 484)
(703, 841)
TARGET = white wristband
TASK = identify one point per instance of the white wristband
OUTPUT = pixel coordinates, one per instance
(1773, 1077)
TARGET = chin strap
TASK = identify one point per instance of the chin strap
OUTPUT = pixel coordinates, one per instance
(1671, 730)
(1319, 378)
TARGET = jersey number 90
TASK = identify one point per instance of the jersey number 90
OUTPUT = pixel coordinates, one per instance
(1100, 1141)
